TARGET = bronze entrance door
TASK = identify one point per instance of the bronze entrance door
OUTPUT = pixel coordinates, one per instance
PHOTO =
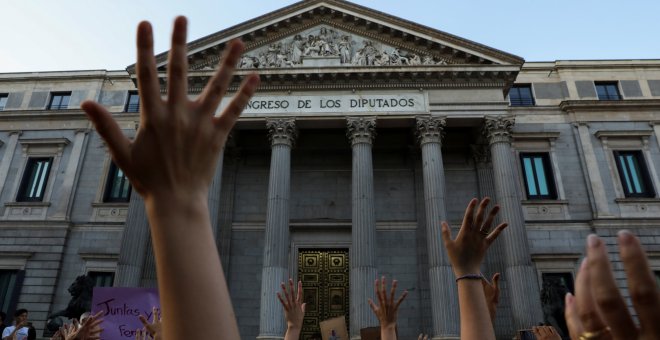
(324, 274)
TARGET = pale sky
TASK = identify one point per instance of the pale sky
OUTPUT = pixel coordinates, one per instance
(61, 35)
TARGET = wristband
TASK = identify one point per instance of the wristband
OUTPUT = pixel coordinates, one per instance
(470, 277)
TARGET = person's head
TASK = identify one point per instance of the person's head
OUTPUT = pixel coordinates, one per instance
(20, 315)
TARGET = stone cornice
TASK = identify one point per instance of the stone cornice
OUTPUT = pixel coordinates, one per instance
(440, 76)
(361, 129)
(609, 105)
(623, 133)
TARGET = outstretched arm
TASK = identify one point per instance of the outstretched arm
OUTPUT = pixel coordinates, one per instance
(466, 253)
(294, 310)
(387, 308)
(170, 163)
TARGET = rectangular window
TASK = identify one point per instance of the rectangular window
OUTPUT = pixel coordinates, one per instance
(633, 173)
(117, 188)
(521, 95)
(133, 102)
(607, 91)
(59, 100)
(539, 181)
(10, 287)
(3, 100)
(102, 279)
(35, 179)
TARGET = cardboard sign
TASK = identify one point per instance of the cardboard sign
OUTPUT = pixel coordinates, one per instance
(121, 308)
(370, 333)
(334, 329)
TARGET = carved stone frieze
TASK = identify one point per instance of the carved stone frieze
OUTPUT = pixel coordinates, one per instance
(326, 46)
(282, 131)
(430, 129)
(498, 129)
(361, 129)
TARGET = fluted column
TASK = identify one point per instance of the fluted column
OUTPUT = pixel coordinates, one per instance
(495, 256)
(444, 296)
(520, 272)
(134, 244)
(282, 133)
(361, 132)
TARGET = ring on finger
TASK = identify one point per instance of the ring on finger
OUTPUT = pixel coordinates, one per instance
(595, 334)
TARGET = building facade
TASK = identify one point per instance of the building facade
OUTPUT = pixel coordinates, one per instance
(368, 130)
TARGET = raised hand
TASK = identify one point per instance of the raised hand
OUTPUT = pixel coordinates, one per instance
(467, 251)
(294, 309)
(598, 310)
(89, 329)
(178, 140)
(387, 308)
(155, 327)
(492, 294)
(170, 163)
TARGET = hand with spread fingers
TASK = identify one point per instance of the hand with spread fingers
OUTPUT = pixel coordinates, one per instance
(598, 311)
(155, 327)
(387, 308)
(466, 253)
(171, 162)
(89, 329)
(294, 309)
(492, 294)
(545, 333)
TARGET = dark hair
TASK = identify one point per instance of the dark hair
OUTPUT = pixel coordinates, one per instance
(18, 312)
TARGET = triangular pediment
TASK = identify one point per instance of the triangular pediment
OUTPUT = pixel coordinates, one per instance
(326, 33)
(338, 44)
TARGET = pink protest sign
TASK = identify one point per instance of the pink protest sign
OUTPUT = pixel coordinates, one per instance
(121, 308)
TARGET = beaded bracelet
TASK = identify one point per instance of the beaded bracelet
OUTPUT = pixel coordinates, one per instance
(470, 277)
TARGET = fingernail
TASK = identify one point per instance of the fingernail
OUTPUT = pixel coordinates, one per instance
(568, 299)
(625, 236)
(593, 241)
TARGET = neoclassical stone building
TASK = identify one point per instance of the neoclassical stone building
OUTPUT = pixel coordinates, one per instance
(368, 130)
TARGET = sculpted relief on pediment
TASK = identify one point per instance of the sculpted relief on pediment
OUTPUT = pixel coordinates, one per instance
(324, 46)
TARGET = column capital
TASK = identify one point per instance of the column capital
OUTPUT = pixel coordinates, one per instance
(361, 129)
(281, 131)
(430, 129)
(480, 154)
(498, 129)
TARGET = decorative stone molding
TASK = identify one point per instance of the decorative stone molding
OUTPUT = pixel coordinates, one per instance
(498, 129)
(325, 45)
(480, 154)
(282, 131)
(430, 129)
(44, 145)
(361, 129)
